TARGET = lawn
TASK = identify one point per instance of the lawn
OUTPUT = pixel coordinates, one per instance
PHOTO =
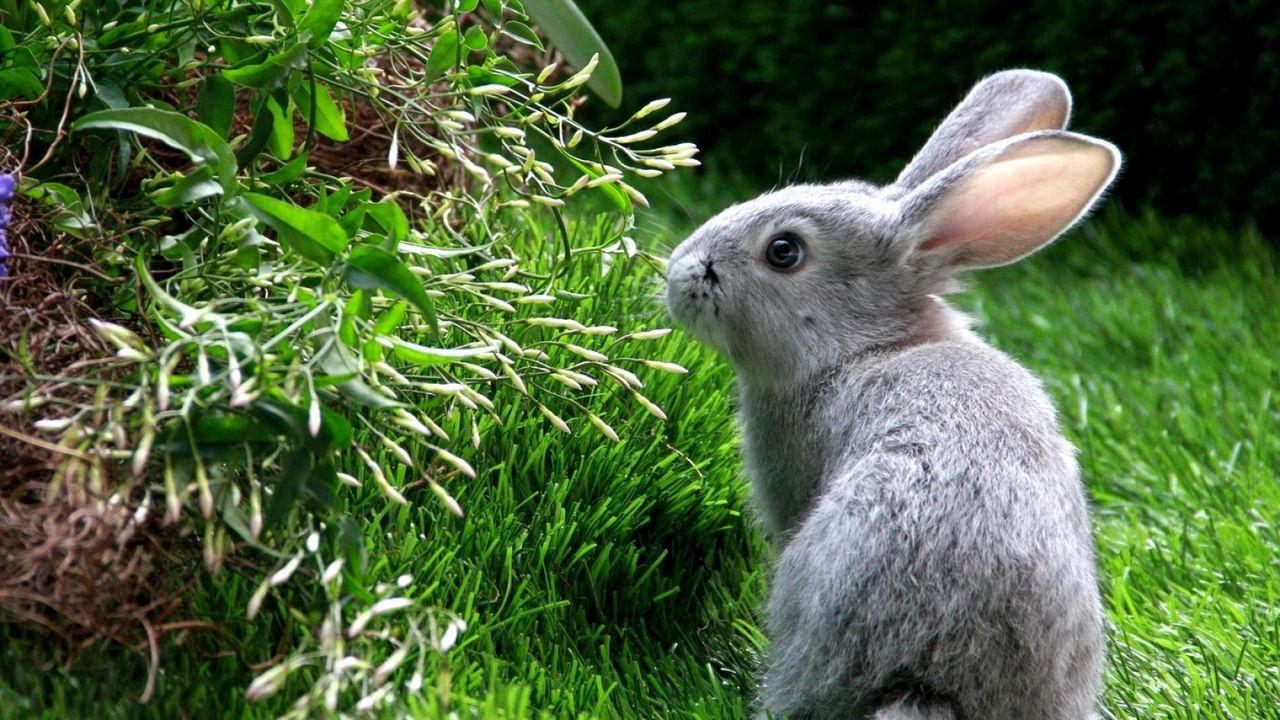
(623, 580)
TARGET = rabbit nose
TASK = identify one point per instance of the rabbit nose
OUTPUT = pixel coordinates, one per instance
(709, 272)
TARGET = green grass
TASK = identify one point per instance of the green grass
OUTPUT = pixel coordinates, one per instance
(623, 580)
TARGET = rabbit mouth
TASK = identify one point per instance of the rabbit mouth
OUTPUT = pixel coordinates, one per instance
(693, 296)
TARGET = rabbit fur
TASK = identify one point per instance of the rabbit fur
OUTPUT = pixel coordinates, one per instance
(934, 556)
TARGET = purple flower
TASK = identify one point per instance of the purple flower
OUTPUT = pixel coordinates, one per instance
(7, 184)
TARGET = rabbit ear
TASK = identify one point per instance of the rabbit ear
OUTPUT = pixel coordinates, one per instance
(1009, 199)
(1008, 103)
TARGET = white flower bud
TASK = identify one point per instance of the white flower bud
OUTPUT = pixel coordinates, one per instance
(282, 575)
(652, 107)
(489, 90)
(649, 334)
(671, 120)
(666, 367)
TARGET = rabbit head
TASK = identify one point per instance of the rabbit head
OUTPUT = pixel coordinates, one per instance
(790, 282)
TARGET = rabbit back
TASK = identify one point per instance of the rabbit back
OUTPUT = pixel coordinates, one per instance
(945, 552)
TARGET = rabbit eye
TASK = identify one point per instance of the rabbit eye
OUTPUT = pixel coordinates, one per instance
(784, 252)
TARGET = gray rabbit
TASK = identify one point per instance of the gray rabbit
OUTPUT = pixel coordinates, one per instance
(934, 554)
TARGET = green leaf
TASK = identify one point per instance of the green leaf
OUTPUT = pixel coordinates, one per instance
(466, 6)
(391, 319)
(389, 215)
(65, 204)
(263, 124)
(176, 444)
(112, 95)
(322, 484)
(285, 12)
(520, 32)
(20, 82)
(174, 305)
(362, 196)
(249, 326)
(280, 141)
(423, 355)
(337, 360)
(330, 119)
(359, 305)
(272, 72)
(386, 325)
(477, 75)
(444, 55)
(216, 104)
(281, 138)
(354, 220)
(20, 56)
(570, 31)
(324, 381)
(372, 267)
(351, 544)
(235, 519)
(494, 7)
(177, 248)
(313, 235)
(188, 189)
(217, 435)
(321, 18)
(286, 173)
(332, 203)
(287, 488)
(247, 256)
(475, 39)
(293, 420)
(217, 428)
(175, 130)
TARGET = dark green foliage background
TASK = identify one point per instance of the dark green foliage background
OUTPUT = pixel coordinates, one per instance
(806, 89)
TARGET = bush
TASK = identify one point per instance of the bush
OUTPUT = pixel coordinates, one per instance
(266, 252)
(819, 90)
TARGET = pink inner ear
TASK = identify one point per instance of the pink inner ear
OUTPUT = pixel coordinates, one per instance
(1019, 201)
(1050, 114)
